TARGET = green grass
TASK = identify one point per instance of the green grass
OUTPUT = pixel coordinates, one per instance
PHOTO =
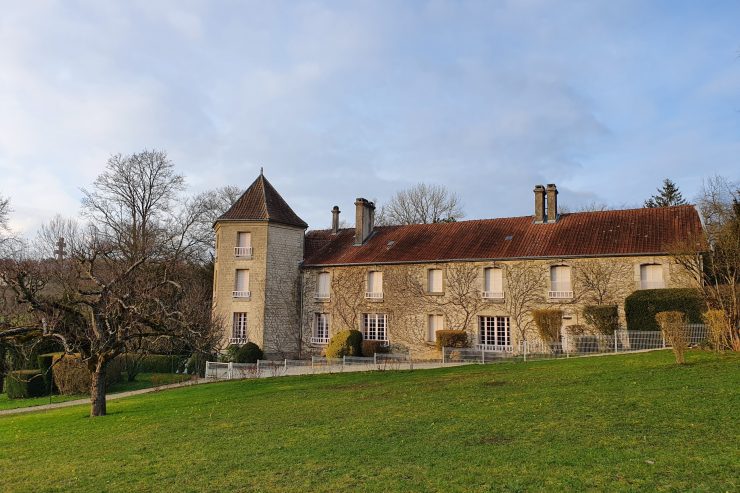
(616, 423)
(143, 381)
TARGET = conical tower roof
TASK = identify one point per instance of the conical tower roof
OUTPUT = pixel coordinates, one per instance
(261, 202)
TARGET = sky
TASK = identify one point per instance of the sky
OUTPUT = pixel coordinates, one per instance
(346, 99)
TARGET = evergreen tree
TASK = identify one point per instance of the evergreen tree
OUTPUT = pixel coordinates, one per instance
(667, 195)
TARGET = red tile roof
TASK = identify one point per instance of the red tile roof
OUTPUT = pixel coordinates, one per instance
(261, 202)
(605, 233)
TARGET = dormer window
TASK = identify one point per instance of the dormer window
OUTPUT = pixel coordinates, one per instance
(322, 286)
(560, 286)
(243, 248)
(493, 283)
(434, 281)
(374, 289)
(651, 276)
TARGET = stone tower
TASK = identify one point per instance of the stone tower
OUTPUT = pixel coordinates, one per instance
(256, 292)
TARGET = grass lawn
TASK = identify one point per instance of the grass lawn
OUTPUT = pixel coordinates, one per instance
(627, 422)
(143, 381)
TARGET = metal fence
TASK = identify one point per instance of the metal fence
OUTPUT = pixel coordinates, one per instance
(622, 341)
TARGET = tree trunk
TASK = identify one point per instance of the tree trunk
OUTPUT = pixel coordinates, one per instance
(97, 389)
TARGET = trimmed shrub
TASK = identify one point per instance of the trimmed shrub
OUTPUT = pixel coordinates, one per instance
(720, 329)
(451, 338)
(249, 353)
(22, 384)
(369, 348)
(548, 324)
(604, 319)
(673, 327)
(196, 364)
(162, 363)
(71, 375)
(345, 343)
(45, 365)
(641, 306)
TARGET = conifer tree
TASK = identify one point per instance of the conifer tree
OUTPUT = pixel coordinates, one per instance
(667, 195)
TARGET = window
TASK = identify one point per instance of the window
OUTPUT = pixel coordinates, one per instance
(322, 286)
(243, 245)
(651, 276)
(436, 322)
(374, 326)
(493, 283)
(560, 287)
(320, 329)
(374, 285)
(494, 333)
(239, 329)
(434, 281)
(241, 284)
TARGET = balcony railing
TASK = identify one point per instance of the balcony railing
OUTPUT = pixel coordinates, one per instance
(652, 284)
(321, 296)
(373, 295)
(244, 252)
(494, 347)
(493, 295)
(322, 341)
(560, 291)
(241, 294)
(239, 341)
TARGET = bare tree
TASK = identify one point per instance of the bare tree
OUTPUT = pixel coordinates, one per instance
(50, 232)
(421, 204)
(712, 259)
(601, 282)
(525, 291)
(210, 205)
(128, 277)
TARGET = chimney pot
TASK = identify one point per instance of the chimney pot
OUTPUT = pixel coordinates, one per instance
(539, 204)
(335, 219)
(552, 203)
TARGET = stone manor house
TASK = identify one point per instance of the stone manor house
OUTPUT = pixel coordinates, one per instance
(289, 290)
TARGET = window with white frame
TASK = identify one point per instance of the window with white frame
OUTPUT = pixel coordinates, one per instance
(493, 283)
(374, 326)
(560, 286)
(435, 322)
(651, 276)
(320, 329)
(243, 244)
(241, 284)
(434, 281)
(239, 328)
(494, 332)
(322, 286)
(374, 285)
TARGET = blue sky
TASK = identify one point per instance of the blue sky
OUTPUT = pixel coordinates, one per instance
(344, 99)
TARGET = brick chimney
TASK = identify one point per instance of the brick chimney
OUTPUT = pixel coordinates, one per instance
(539, 204)
(364, 220)
(335, 220)
(552, 203)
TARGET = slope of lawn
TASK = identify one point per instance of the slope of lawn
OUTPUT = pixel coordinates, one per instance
(627, 422)
(143, 381)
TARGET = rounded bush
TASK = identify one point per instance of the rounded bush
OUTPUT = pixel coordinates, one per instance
(249, 353)
(641, 306)
(345, 343)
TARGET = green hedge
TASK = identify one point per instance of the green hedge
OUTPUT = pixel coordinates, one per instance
(604, 319)
(345, 343)
(641, 306)
(249, 353)
(162, 363)
(22, 384)
(451, 338)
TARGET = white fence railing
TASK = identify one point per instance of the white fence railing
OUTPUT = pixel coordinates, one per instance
(622, 341)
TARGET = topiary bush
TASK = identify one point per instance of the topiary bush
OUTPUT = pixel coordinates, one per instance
(345, 343)
(71, 375)
(548, 323)
(369, 348)
(249, 353)
(162, 363)
(641, 306)
(673, 326)
(603, 319)
(451, 338)
(22, 384)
